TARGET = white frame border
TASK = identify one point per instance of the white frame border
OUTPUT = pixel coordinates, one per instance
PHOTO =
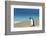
(27, 28)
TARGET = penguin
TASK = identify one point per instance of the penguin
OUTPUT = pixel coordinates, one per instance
(32, 21)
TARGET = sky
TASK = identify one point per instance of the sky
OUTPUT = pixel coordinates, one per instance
(24, 14)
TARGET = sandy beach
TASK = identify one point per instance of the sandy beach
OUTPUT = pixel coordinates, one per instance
(25, 24)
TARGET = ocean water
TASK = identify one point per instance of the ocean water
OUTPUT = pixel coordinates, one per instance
(21, 14)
